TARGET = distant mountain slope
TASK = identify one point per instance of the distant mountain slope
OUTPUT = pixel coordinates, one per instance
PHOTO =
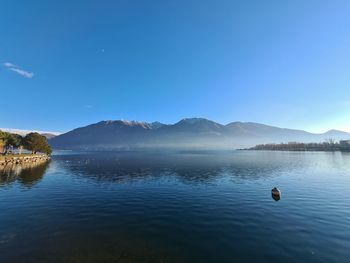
(47, 134)
(193, 133)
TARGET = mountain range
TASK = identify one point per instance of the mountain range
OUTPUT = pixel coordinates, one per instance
(188, 133)
(21, 132)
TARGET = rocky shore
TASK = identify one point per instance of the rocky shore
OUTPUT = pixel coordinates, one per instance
(9, 161)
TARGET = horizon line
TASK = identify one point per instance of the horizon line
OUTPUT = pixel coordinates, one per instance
(26, 130)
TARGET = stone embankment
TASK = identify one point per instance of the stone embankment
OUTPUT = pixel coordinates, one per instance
(22, 159)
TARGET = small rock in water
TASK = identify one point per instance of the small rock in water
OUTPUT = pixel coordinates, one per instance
(276, 194)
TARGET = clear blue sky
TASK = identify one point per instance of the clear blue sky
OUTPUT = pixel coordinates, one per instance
(284, 63)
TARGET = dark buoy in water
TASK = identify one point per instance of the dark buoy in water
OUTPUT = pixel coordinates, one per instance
(276, 194)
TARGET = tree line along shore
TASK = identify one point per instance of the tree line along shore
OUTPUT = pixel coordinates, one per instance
(327, 146)
(32, 142)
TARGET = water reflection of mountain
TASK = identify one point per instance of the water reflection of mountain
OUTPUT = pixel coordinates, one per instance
(27, 175)
(187, 167)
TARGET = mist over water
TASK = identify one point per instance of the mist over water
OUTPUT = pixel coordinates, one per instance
(178, 207)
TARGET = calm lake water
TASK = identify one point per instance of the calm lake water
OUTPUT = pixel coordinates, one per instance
(184, 207)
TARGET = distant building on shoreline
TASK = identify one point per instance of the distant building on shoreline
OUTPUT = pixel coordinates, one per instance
(345, 143)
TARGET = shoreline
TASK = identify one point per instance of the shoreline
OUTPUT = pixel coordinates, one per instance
(15, 160)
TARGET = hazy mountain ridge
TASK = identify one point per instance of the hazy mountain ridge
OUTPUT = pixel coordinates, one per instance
(189, 133)
(47, 134)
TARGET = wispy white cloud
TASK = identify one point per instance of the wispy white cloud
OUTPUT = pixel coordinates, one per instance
(9, 65)
(18, 70)
(88, 106)
(23, 73)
